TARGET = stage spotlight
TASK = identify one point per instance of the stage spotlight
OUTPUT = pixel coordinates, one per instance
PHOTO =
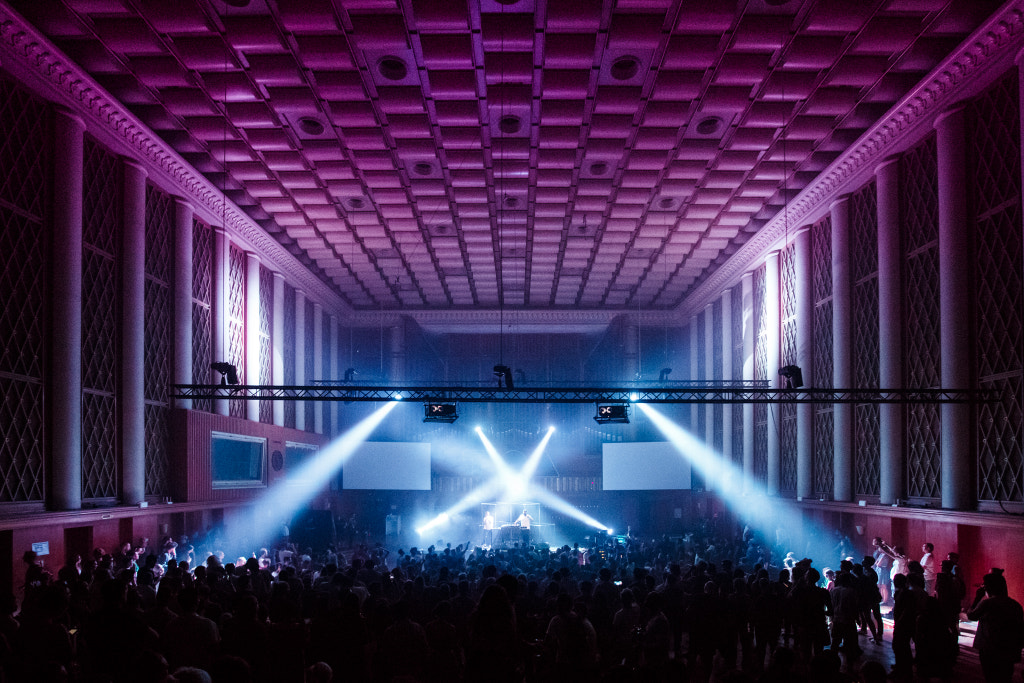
(440, 412)
(634, 397)
(612, 413)
(397, 396)
(663, 375)
(793, 376)
(229, 373)
(350, 374)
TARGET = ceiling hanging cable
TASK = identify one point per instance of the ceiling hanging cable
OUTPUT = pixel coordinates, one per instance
(500, 186)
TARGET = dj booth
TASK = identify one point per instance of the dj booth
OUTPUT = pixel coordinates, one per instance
(507, 533)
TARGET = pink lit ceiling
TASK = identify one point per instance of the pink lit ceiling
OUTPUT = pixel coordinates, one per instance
(436, 154)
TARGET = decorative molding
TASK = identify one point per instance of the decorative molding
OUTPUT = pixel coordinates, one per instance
(69, 85)
(565, 321)
(995, 43)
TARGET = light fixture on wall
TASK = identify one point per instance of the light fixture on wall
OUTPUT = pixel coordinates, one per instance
(229, 373)
(794, 377)
(504, 372)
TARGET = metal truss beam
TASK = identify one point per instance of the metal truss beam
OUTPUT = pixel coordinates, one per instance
(738, 393)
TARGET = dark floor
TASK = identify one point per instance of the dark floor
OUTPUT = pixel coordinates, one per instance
(966, 670)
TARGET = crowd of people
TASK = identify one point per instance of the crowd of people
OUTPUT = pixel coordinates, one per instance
(698, 608)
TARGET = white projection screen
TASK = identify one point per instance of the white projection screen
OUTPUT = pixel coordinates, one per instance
(390, 466)
(646, 466)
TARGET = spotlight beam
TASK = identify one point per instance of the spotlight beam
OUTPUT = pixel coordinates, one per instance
(747, 498)
(534, 460)
(553, 501)
(517, 484)
(280, 502)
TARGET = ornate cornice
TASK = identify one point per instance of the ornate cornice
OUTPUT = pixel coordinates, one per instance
(994, 44)
(66, 83)
(568, 321)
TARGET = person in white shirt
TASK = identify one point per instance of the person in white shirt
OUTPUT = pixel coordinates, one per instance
(488, 528)
(523, 521)
(928, 564)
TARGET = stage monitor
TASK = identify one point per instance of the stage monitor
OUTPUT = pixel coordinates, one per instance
(388, 466)
(645, 466)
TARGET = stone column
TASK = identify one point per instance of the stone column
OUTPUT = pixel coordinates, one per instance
(219, 317)
(710, 480)
(300, 355)
(842, 354)
(631, 351)
(772, 312)
(64, 385)
(954, 308)
(318, 365)
(747, 285)
(182, 298)
(252, 330)
(728, 482)
(277, 345)
(805, 360)
(397, 367)
(132, 398)
(694, 372)
(335, 372)
(890, 330)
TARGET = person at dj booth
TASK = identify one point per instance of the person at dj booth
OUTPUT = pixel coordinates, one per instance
(488, 528)
(523, 521)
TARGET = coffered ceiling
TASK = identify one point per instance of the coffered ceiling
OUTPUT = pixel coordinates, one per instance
(529, 154)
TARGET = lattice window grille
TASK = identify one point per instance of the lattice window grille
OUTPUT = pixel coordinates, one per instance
(992, 131)
(159, 232)
(919, 211)
(310, 342)
(158, 315)
(100, 338)
(761, 373)
(787, 448)
(266, 325)
(26, 159)
(788, 308)
(22, 329)
(25, 151)
(821, 260)
(236, 322)
(202, 263)
(99, 461)
(158, 463)
(821, 278)
(787, 412)
(864, 257)
(202, 294)
(102, 218)
(737, 372)
(159, 323)
(22, 469)
(21, 310)
(993, 136)
(289, 351)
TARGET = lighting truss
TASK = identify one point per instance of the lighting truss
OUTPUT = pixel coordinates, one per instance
(731, 393)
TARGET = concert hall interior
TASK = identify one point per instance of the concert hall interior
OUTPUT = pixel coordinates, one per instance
(635, 268)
